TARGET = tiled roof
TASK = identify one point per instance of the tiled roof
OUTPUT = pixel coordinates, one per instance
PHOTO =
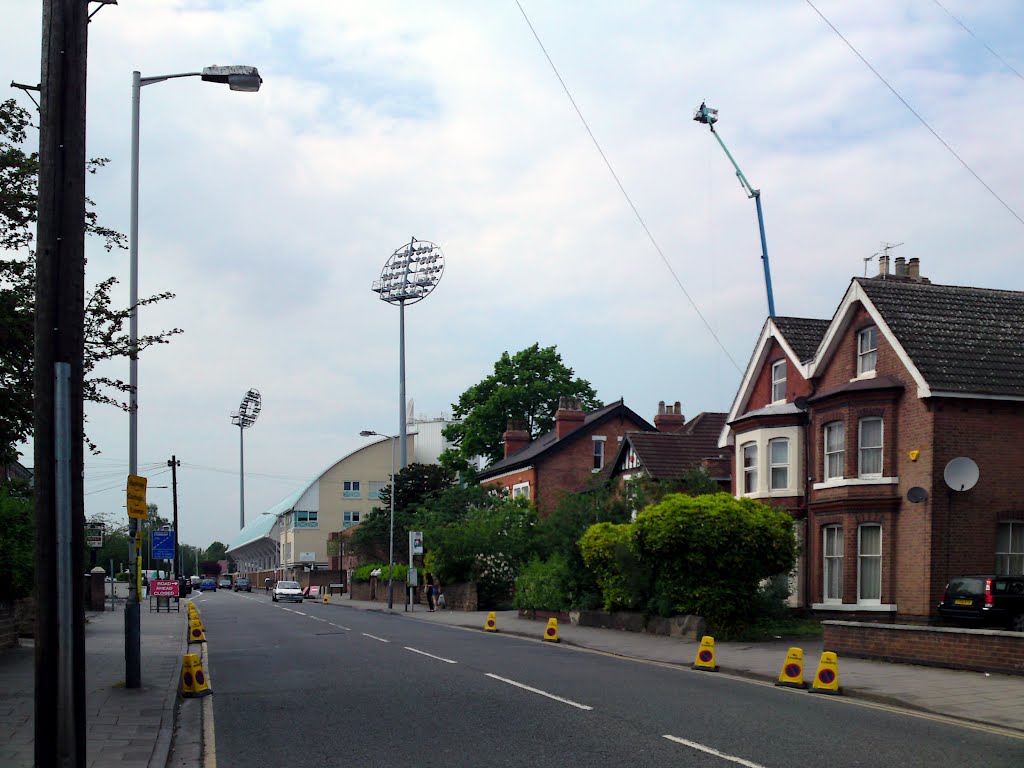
(670, 455)
(544, 442)
(961, 339)
(803, 334)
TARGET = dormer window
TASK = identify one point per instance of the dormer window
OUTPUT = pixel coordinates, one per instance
(779, 381)
(867, 351)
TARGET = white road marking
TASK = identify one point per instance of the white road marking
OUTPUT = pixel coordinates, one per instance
(374, 637)
(542, 693)
(339, 627)
(301, 613)
(424, 653)
(711, 751)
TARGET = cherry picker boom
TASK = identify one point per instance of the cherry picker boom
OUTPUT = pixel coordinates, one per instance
(709, 117)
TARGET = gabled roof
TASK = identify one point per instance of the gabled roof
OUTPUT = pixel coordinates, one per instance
(804, 334)
(670, 455)
(962, 340)
(549, 440)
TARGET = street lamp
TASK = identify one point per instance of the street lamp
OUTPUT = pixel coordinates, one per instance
(245, 418)
(391, 538)
(237, 78)
(412, 272)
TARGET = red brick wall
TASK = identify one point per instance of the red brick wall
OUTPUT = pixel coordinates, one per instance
(514, 478)
(761, 392)
(974, 649)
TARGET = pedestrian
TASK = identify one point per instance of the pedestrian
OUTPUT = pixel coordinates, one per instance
(430, 592)
(145, 585)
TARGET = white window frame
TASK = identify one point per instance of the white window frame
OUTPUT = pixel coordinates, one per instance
(1011, 551)
(861, 448)
(749, 470)
(521, 491)
(779, 382)
(354, 518)
(351, 489)
(867, 351)
(599, 441)
(830, 562)
(861, 557)
(374, 487)
(306, 519)
(773, 466)
(841, 453)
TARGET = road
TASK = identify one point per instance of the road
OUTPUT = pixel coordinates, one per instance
(312, 684)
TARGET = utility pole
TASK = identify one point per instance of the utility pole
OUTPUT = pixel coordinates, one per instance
(174, 464)
(57, 388)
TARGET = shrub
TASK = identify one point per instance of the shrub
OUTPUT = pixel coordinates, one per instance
(17, 544)
(544, 585)
(607, 552)
(362, 573)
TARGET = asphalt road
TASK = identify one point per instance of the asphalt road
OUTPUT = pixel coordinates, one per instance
(312, 684)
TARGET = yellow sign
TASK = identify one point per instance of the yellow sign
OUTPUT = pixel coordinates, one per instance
(137, 498)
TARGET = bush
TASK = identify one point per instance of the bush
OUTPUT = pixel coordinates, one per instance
(544, 585)
(607, 552)
(17, 544)
(362, 573)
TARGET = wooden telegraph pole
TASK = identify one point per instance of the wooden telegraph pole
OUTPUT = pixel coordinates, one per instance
(59, 348)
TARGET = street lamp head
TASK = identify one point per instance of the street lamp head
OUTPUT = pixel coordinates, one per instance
(367, 433)
(237, 78)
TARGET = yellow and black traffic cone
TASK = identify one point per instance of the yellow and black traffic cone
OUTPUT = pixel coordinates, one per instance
(193, 681)
(491, 625)
(827, 678)
(551, 633)
(195, 632)
(705, 660)
(792, 674)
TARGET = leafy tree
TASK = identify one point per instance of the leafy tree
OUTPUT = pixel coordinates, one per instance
(209, 568)
(414, 485)
(525, 389)
(217, 551)
(17, 542)
(105, 334)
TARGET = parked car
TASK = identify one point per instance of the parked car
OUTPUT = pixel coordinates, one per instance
(988, 601)
(242, 585)
(184, 586)
(208, 585)
(225, 583)
(287, 590)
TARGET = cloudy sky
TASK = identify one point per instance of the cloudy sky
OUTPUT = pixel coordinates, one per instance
(270, 214)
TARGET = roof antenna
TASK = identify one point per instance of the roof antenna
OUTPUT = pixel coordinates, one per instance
(886, 247)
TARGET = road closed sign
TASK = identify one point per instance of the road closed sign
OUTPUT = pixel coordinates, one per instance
(163, 588)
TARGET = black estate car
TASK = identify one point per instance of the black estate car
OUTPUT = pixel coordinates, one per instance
(990, 601)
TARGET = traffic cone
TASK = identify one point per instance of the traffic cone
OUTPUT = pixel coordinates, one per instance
(491, 625)
(827, 678)
(195, 632)
(792, 674)
(193, 681)
(551, 633)
(705, 660)
(325, 599)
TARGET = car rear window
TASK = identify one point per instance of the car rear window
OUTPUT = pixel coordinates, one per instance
(967, 585)
(288, 584)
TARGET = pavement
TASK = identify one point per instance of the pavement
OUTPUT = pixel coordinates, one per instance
(135, 728)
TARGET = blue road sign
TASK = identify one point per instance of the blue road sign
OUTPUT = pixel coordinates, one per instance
(163, 545)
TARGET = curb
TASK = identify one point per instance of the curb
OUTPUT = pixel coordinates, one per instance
(168, 718)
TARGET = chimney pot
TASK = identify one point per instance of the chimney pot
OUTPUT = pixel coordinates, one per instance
(901, 266)
(914, 268)
(883, 264)
(569, 416)
(669, 418)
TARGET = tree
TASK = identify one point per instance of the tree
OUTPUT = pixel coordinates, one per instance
(525, 389)
(105, 334)
(414, 485)
(17, 541)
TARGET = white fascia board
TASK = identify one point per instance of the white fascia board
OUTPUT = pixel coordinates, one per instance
(506, 474)
(855, 294)
(768, 332)
(974, 396)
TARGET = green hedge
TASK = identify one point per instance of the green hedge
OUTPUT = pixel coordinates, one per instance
(362, 573)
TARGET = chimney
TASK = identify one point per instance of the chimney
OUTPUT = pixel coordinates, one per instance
(669, 417)
(901, 266)
(883, 265)
(914, 268)
(568, 417)
(516, 437)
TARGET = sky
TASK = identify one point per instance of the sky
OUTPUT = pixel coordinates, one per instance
(270, 214)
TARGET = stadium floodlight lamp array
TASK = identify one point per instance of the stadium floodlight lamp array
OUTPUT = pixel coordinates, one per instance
(412, 272)
(248, 410)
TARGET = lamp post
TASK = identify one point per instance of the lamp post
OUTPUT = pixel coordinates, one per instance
(412, 272)
(391, 537)
(237, 78)
(244, 418)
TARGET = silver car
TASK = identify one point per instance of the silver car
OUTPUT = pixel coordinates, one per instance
(287, 590)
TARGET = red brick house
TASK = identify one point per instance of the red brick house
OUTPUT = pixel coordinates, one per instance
(565, 459)
(839, 420)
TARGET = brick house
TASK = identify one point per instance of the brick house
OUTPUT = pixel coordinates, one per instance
(566, 459)
(676, 448)
(837, 421)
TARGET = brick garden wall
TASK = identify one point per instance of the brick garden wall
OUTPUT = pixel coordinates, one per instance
(981, 650)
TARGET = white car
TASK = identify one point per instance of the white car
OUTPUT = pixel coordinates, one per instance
(287, 590)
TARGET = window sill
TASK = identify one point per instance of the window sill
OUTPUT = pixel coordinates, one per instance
(851, 481)
(877, 608)
(778, 493)
(863, 376)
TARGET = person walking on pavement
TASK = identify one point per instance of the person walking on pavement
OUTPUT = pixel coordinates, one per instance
(430, 592)
(145, 585)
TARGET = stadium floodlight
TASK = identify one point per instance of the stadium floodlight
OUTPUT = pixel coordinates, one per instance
(244, 418)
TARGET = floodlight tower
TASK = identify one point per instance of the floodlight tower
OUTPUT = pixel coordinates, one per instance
(708, 116)
(412, 272)
(245, 418)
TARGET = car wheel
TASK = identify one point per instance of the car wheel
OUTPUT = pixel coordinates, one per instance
(1017, 623)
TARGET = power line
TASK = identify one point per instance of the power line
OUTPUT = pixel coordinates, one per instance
(971, 33)
(622, 189)
(915, 114)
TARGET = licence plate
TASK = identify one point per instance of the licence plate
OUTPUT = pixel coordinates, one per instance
(964, 602)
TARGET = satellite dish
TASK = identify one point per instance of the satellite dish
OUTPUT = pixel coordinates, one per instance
(801, 403)
(917, 494)
(961, 474)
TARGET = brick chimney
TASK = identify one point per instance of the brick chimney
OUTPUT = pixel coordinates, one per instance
(569, 416)
(516, 437)
(914, 268)
(901, 267)
(883, 265)
(669, 417)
